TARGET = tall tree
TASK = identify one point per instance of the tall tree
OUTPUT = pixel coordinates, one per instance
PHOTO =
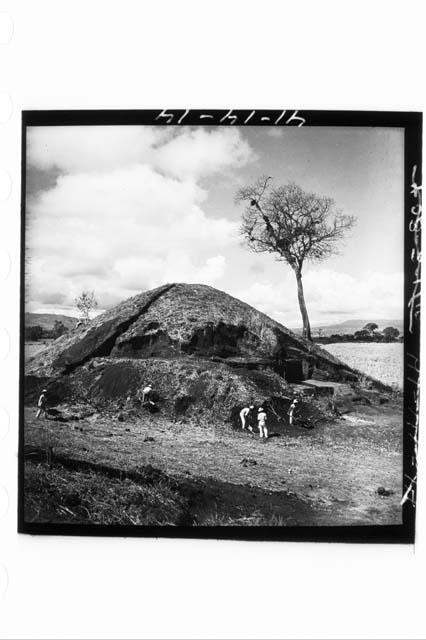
(294, 225)
(86, 302)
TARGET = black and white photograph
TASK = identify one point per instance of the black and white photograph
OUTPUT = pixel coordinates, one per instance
(210, 339)
(214, 326)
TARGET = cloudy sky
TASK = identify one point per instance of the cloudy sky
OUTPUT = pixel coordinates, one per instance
(121, 209)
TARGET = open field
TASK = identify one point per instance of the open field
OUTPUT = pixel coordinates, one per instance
(32, 348)
(383, 361)
(205, 475)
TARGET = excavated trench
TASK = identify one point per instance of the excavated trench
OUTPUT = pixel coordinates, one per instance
(222, 340)
(233, 345)
(150, 345)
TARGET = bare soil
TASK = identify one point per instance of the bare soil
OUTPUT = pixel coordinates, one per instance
(214, 474)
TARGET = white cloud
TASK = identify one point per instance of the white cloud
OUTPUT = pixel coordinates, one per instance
(175, 266)
(117, 223)
(330, 296)
(276, 300)
(127, 213)
(375, 295)
(180, 152)
(200, 152)
(275, 132)
(82, 149)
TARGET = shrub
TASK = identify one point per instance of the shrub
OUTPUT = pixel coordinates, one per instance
(34, 333)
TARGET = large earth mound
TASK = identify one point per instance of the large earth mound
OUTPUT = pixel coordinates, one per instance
(201, 348)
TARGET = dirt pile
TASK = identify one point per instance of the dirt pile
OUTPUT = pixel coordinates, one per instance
(202, 350)
(183, 387)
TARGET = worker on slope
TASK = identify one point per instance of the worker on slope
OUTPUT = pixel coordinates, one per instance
(146, 393)
(246, 416)
(261, 422)
(148, 398)
(42, 404)
(291, 411)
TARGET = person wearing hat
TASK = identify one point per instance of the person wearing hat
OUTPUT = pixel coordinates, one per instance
(261, 422)
(42, 404)
(246, 415)
(291, 410)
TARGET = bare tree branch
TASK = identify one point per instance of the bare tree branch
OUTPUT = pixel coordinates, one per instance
(295, 225)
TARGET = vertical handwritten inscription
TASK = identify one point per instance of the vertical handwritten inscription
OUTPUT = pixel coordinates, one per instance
(412, 425)
(415, 229)
(413, 364)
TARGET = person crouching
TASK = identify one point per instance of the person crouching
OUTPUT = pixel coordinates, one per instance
(261, 422)
(147, 395)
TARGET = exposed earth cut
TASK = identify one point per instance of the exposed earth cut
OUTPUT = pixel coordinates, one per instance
(201, 349)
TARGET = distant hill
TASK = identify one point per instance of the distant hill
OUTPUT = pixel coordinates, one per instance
(47, 320)
(350, 326)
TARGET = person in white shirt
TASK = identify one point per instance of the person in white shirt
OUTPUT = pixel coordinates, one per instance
(245, 417)
(146, 394)
(291, 410)
(261, 422)
(42, 404)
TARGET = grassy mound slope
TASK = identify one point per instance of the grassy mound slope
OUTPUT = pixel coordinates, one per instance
(176, 319)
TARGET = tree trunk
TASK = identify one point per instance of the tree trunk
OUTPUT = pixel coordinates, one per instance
(302, 305)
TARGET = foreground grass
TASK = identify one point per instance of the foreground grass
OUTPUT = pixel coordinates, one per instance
(325, 476)
(62, 495)
(59, 494)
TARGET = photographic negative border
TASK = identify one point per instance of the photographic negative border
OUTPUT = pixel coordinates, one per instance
(411, 122)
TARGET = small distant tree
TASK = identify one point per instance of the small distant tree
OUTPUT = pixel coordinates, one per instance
(294, 225)
(86, 303)
(58, 329)
(390, 334)
(370, 327)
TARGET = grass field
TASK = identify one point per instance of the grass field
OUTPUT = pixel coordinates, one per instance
(32, 348)
(383, 361)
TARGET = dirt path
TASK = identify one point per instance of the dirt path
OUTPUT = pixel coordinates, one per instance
(326, 476)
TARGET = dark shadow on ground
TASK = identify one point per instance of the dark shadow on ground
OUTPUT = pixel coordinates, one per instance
(209, 502)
